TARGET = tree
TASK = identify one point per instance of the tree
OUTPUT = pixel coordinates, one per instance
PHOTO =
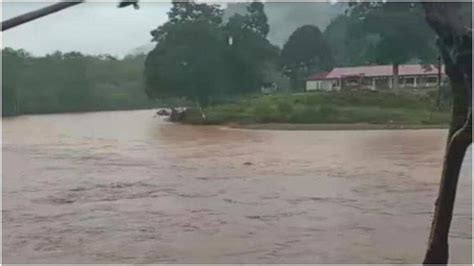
(197, 57)
(188, 60)
(305, 52)
(69, 82)
(257, 20)
(188, 11)
(453, 24)
(183, 11)
(403, 32)
(13, 62)
(250, 51)
(349, 48)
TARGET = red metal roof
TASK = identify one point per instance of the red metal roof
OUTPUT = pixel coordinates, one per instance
(377, 71)
(318, 76)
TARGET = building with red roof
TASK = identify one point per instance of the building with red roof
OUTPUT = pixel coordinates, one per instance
(375, 78)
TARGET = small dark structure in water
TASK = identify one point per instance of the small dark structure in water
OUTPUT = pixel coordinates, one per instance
(163, 112)
(177, 114)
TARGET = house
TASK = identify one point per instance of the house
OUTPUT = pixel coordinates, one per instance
(269, 87)
(375, 78)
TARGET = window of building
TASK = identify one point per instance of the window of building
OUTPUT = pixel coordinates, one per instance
(367, 81)
(431, 79)
(352, 82)
(409, 81)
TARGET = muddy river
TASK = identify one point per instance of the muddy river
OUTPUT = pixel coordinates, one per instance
(125, 187)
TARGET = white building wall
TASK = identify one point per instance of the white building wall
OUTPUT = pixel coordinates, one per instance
(319, 85)
(326, 85)
(312, 85)
(335, 85)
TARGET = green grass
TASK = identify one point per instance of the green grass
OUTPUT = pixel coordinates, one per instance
(326, 108)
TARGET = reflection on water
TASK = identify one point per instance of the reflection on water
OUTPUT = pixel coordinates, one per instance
(124, 187)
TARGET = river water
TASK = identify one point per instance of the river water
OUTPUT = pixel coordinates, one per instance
(125, 187)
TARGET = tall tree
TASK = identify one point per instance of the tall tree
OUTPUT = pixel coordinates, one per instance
(403, 32)
(257, 20)
(188, 60)
(197, 57)
(452, 22)
(349, 48)
(249, 51)
(185, 11)
(305, 52)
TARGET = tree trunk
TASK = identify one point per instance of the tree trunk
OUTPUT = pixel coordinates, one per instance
(294, 82)
(438, 249)
(450, 21)
(395, 85)
(438, 95)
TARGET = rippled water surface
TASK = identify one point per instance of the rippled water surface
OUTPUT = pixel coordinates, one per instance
(124, 187)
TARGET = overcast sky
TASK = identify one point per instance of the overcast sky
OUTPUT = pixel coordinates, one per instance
(102, 28)
(91, 28)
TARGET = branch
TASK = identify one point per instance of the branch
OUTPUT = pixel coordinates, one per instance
(27, 17)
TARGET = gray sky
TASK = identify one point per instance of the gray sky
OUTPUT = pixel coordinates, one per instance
(99, 28)
(91, 28)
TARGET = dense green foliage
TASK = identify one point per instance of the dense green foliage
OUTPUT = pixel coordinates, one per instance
(348, 48)
(402, 29)
(205, 59)
(199, 57)
(70, 82)
(309, 108)
(306, 52)
(378, 32)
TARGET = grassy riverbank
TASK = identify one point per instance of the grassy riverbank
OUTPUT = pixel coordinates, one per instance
(347, 126)
(363, 110)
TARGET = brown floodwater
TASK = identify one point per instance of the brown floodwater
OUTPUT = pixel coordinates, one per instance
(125, 187)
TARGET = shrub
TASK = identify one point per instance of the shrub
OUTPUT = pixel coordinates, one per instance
(284, 108)
(267, 113)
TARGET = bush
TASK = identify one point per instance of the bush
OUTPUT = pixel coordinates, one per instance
(284, 108)
(306, 115)
(267, 113)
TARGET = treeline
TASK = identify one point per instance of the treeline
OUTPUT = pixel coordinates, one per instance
(204, 57)
(201, 56)
(71, 82)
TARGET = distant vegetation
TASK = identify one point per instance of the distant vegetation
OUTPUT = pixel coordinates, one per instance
(200, 55)
(205, 59)
(330, 108)
(306, 52)
(71, 82)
